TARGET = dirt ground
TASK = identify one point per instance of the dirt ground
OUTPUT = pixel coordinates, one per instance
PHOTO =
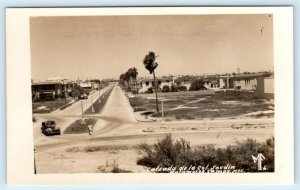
(103, 155)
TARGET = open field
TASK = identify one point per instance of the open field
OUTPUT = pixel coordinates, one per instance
(193, 106)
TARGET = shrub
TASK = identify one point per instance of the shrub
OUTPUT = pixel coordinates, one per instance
(150, 90)
(174, 88)
(166, 153)
(182, 88)
(166, 88)
(197, 84)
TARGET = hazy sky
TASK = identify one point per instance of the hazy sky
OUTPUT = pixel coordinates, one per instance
(106, 46)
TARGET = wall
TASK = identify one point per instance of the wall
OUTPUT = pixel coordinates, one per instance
(265, 88)
(269, 85)
(246, 86)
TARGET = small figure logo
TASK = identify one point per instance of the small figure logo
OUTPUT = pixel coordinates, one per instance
(260, 157)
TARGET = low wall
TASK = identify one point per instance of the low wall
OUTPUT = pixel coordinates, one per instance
(185, 93)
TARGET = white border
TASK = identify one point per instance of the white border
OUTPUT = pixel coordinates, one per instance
(19, 118)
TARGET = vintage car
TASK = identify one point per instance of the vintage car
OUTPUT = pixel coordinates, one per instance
(49, 128)
(82, 96)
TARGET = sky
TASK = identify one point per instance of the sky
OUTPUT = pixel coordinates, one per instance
(100, 47)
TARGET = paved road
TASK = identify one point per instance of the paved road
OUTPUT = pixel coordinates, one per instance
(64, 118)
(119, 110)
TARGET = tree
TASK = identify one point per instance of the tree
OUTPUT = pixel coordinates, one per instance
(132, 72)
(182, 88)
(166, 88)
(95, 81)
(122, 79)
(150, 64)
(197, 85)
(174, 88)
(149, 90)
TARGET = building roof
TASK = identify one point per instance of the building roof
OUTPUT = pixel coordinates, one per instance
(45, 83)
(50, 79)
(158, 78)
(254, 75)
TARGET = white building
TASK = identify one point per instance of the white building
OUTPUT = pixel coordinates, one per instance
(145, 84)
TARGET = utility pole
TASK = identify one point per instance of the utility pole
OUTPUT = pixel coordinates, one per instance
(34, 162)
(100, 96)
(64, 90)
(81, 110)
(162, 110)
(92, 104)
(156, 98)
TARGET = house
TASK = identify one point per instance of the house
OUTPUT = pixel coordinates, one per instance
(87, 86)
(134, 86)
(52, 88)
(144, 84)
(211, 83)
(185, 81)
(245, 82)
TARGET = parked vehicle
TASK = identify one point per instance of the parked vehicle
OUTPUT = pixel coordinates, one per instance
(42, 109)
(82, 96)
(129, 95)
(49, 128)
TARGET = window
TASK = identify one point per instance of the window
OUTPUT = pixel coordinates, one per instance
(147, 83)
(167, 81)
(159, 82)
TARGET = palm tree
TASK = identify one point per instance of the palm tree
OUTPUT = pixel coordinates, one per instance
(150, 65)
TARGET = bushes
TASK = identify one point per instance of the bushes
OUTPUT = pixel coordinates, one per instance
(166, 88)
(149, 91)
(166, 153)
(197, 84)
(174, 88)
(182, 88)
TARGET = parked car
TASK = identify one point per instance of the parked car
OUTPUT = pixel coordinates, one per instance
(129, 95)
(82, 96)
(49, 128)
(42, 109)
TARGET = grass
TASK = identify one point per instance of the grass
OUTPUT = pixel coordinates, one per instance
(78, 127)
(52, 104)
(169, 153)
(212, 106)
(98, 107)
